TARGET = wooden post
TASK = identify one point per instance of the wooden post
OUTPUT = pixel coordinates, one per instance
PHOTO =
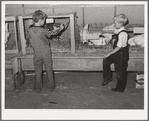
(23, 9)
(15, 66)
(83, 16)
(72, 33)
(22, 36)
(114, 10)
(53, 10)
(21, 75)
(15, 31)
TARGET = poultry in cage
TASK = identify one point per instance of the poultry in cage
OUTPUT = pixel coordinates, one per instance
(53, 26)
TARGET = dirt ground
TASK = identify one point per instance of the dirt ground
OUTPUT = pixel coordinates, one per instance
(76, 90)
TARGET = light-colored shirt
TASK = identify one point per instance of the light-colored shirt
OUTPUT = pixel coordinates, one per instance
(122, 38)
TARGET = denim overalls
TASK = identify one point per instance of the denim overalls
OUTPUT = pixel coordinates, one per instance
(120, 60)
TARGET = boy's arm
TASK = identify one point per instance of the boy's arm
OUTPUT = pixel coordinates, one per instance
(66, 24)
(112, 52)
(50, 33)
(122, 39)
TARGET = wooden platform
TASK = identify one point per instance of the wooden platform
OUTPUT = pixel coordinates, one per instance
(76, 62)
(81, 63)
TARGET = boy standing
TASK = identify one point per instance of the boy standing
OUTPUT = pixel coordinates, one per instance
(119, 56)
(39, 39)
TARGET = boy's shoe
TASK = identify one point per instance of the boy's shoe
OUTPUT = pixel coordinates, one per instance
(106, 82)
(116, 90)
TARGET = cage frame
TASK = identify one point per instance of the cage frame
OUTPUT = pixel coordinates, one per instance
(14, 19)
(71, 16)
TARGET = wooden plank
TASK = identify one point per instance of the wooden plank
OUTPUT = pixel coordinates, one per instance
(11, 18)
(77, 64)
(22, 36)
(82, 64)
(83, 56)
(72, 23)
(138, 30)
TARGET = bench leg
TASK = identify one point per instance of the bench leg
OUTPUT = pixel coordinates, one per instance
(21, 78)
(21, 75)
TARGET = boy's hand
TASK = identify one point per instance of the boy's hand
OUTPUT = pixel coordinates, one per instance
(62, 26)
(55, 28)
(67, 21)
(105, 56)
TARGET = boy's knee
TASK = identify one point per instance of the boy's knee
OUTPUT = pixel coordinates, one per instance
(48, 62)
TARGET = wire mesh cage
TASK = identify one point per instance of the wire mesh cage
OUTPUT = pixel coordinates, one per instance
(61, 43)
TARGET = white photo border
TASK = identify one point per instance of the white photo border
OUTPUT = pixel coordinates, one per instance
(72, 114)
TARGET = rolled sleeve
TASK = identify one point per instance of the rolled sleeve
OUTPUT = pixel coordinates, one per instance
(122, 40)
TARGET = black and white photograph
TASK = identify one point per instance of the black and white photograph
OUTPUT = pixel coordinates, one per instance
(74, 60)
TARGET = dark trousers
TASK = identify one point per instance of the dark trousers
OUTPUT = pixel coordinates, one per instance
(45, 59)
(120, 63)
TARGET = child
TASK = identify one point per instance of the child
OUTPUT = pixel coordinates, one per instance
(119, 56)
(39, 39)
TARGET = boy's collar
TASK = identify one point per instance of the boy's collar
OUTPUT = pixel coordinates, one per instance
(116, 31)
